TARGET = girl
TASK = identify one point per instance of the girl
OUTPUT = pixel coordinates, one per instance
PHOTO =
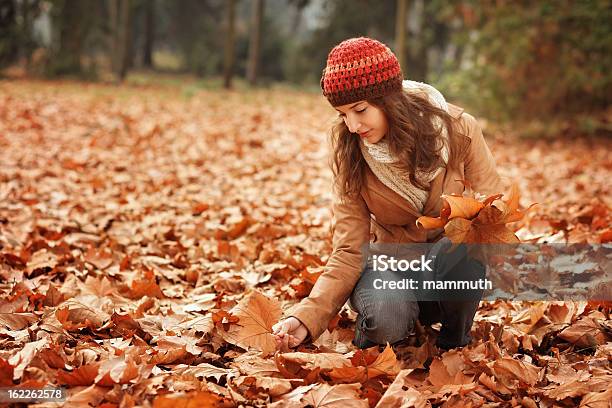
(396, 149)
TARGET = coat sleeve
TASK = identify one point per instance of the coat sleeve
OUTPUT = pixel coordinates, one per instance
(351, 230)
(480, 168)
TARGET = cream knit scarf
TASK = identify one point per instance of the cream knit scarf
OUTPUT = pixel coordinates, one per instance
(386, 167)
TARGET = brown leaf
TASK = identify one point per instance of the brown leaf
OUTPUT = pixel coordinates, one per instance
(257, 313)
(79, 397)
(400, 394)
(83, 375)
(586, 332)
(75, 316)
(335, 396)
(147, 286)
(310, 361)
(597, 399)
(194, 399)
(430, 222)
(506, 369)
(116, 370)
(385, 364)
(21, 360)
(462, 207)
(17, 321)
(457, 229)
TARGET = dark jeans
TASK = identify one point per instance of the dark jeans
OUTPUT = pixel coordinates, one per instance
(390, 315)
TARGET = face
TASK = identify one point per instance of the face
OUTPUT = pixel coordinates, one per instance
(364, 119)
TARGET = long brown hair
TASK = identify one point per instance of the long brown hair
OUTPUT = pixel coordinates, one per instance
(412, 138)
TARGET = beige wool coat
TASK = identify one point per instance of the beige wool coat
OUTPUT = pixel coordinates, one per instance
(382, 215)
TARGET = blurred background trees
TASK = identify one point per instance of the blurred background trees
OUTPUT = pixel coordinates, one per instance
(519, 60)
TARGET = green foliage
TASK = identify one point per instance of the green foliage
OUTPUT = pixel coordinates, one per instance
(536, 59)
(9, 32)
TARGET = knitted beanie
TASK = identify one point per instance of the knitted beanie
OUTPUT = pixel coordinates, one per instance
(358, 69)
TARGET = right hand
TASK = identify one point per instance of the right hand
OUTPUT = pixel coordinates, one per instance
(289, 333)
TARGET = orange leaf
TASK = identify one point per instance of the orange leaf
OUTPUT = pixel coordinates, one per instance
(462, 207)
(83, 375)
(335, 396)
(6, 373)
(490, 234)
(491, 198)
(430, 222)
(457, 229)
(385, 364)
(257, 314)
(194, 399)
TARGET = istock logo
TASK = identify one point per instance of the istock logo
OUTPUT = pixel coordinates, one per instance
(384, 263)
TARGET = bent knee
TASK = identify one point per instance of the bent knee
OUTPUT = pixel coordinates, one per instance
(390, 322)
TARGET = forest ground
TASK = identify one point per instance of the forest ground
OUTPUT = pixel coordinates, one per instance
(134, 220)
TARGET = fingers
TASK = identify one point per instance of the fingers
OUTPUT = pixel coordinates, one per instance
(279, 328)
(293, 341)
(284, 345)
(283, 333)
(286, 342)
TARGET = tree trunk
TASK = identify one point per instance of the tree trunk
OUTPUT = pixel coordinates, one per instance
(113, 16)
(9, 46)
(297, 16)
(255, 41)
(127, 57)
(417, 55)
(26, 34)
(147, 55)
(229, 45)
(400, 32)
(119, 14)
(71, 35)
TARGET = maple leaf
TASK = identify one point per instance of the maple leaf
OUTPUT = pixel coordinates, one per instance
(362, 366)
(300, 364)
(22, 359)
(83, 375)
(17, 321)
(448, 370)
(507, 370)
(224, 320)
(335, 396)
(401, 394)
(586, 332)
(306, 282)
(78, 316)
(256, 313)
(468, 220)
(116, 370)
(193, 399)
(147, 286)
(597, 399)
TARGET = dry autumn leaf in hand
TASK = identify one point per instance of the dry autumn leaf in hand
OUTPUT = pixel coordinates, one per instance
(256, 314)
(465, 219)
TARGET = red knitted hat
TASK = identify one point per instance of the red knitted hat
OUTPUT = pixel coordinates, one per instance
(358, 69)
